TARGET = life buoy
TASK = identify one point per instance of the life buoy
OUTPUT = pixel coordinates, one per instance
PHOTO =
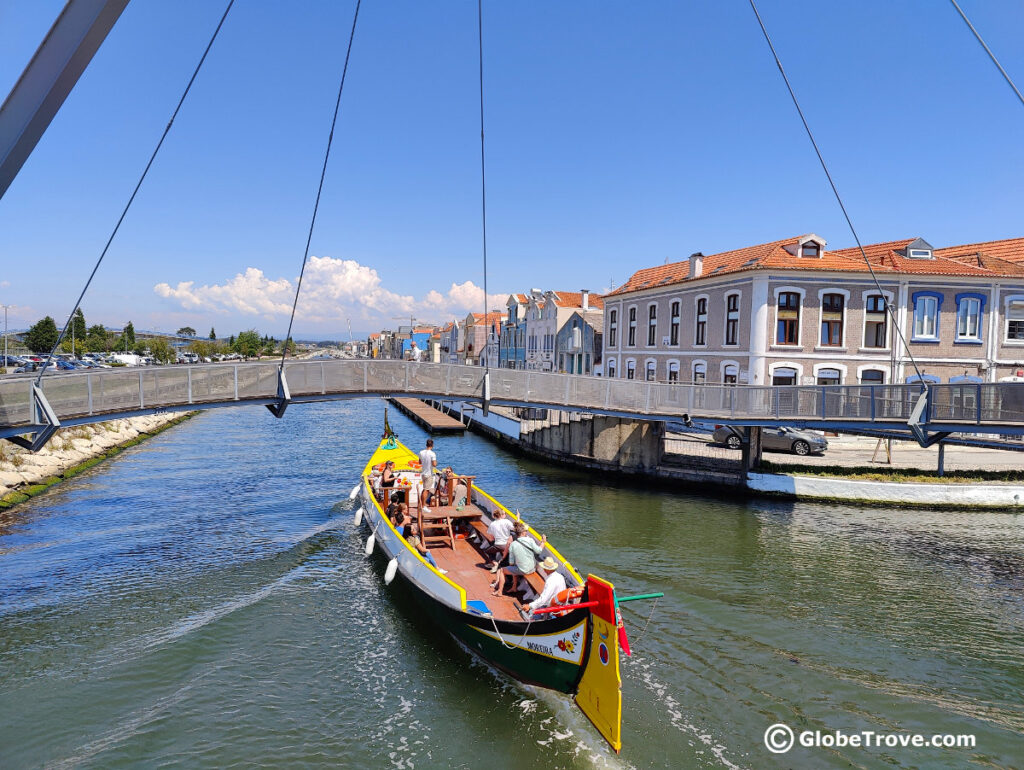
(415, 465)
(379, 467)
(565, 597)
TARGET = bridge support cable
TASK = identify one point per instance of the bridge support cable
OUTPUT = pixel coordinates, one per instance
(483, 205)
(988, 50)
(278, 409)
(43, 419)
(835, 190)
(135, 192)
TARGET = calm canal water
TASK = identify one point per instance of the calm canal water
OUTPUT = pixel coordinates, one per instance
(204, 600)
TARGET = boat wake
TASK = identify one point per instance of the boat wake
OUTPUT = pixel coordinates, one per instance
(552, 719)
(644, 668)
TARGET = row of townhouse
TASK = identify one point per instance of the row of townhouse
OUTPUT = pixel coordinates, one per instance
(792, 312)
(553, 331)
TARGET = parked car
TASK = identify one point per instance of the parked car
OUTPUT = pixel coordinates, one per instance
(799, 442)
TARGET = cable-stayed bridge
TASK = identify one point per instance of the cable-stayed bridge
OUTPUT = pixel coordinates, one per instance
(31, 412)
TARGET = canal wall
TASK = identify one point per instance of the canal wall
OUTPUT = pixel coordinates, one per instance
(612, 445)
(24, 474)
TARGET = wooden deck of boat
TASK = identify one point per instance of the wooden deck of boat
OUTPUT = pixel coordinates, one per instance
(467, 567)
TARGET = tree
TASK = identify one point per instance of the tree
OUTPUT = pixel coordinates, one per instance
(231, 342)
(129, 332)
(186, 331)
(213, 334)
(248, 343)
(161, 350)
(289, 346)
(42, 336)
(78, 326)
(97, 339)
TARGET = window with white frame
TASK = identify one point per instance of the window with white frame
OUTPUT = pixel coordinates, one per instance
(673, 371)
(701, 326)
(732, 319)
(611, 367)
(674, 324)
(968, 317)
(1015, 320)
(652, 324)
(613, 327)
(784, 375)
(631, 369)
(700, 373)
(872, 377)
(632, 327)
(810, 249)
(926, 315)
(787, 319)
(829, 377)
(876, 322)
(731, 374)
(832, 306)
(652, 371)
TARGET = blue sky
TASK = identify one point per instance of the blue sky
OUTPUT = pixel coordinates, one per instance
(619, 135)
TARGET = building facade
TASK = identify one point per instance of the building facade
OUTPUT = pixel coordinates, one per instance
(578, 343)
(512, 345)
(546, 315)
(792, 312)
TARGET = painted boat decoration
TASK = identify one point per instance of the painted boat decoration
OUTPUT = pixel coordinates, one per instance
(572, 648)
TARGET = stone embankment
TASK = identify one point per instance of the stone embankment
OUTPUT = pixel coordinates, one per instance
(72, 450)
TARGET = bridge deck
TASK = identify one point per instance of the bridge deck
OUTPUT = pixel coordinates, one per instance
(84, 397)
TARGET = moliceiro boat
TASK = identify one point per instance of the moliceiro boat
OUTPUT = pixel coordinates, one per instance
(570, 647)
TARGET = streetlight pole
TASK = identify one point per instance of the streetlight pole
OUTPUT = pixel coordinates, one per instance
(5, 335)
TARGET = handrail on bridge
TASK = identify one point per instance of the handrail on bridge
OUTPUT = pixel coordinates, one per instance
(76, 398)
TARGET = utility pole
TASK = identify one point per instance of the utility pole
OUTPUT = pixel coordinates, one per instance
(5, 335)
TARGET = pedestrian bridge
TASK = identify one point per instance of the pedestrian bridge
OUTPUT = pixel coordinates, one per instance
(76, 398)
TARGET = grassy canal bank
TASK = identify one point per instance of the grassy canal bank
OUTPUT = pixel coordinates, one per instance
(23, 475)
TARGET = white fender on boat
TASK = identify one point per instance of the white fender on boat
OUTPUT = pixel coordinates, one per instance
(369, 543)
(354, 492)
(359, 515)
(389, 573)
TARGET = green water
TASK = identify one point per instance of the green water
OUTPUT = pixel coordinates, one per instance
(203, 600)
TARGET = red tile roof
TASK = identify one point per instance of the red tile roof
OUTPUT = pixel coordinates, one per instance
(575, 299)
(997, 258)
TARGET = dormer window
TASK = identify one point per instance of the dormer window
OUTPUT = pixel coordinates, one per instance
(919, 249)
(810, 249)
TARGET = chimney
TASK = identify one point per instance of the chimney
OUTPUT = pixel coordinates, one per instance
(696, 264)
(585, 303)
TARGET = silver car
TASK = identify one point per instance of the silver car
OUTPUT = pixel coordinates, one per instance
(799, 442)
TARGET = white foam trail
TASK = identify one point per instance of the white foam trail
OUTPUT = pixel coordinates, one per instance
(675, 713)
(567, 725)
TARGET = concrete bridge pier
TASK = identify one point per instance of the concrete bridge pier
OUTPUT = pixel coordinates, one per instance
(751, 447)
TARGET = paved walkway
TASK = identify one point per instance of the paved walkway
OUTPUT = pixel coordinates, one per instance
(857, 451)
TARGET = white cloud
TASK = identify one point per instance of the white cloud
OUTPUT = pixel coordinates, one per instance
(332, 290)
(5, 284)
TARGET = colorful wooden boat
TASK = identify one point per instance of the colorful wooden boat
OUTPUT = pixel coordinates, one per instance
(573, 650)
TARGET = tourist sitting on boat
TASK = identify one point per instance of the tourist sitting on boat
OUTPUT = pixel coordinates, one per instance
(498, 533)
(522, 557)
(416, 542)
(554, 583)
(446, 487)
(387, 477)
(397, 517)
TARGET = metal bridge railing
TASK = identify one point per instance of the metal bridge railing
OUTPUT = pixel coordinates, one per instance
(110, 392)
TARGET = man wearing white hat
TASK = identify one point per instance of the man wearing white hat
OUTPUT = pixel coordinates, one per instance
(554, 582)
